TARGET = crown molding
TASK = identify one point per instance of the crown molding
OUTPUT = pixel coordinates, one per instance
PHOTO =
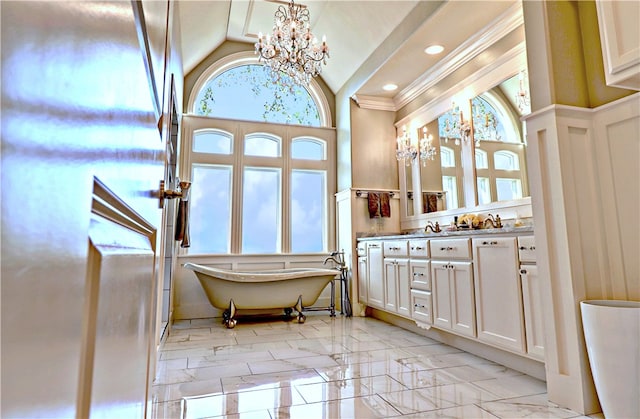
(492, 33)
(374, 102)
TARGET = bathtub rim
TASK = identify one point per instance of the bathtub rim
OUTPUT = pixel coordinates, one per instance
(267, 275)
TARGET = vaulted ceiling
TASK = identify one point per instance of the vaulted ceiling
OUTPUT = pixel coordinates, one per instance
(372, 42)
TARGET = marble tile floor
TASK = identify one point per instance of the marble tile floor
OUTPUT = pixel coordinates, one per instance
(333, 368)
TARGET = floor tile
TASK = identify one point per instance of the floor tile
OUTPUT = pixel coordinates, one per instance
(334, 368)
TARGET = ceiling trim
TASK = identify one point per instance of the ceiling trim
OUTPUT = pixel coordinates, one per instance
(496, 30)
(374, 102)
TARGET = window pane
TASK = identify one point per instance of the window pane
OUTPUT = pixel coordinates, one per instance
(484, 191)
(508, 189)
(449, 184)
(217, 142)
(481, 159)
(447, 157)
(308, 192)
(505, 160)
(248, 92)
(261, 145)
(261, 211)
(308, 149)
(210, 205)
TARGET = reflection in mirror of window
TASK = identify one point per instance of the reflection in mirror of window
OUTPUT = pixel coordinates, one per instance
(210, 205)
(212, 141)
(484, 192)
(261, 197)
(308, 217)
(487, 121)
(248, 92)
(263, 145)
(508, 189)
(481, 159)
(447, 157)
(308, 149)
(505, 160)
(449, 185)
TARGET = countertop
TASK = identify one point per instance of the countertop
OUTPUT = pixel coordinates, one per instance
(458, 233)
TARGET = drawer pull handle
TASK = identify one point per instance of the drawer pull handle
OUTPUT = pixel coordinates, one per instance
(418, 274)
(491, 243)
(532, 248)
(522, 248)
(447, 248)
(419, 305)
(523, 271)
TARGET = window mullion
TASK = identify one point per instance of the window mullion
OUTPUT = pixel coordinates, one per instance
(285, 228)
(236, 213)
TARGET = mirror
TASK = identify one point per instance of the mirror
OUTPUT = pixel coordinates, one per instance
(478, 161)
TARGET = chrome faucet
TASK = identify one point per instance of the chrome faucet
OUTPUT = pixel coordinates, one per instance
(430, 226)
(339, 261)
(495, 222)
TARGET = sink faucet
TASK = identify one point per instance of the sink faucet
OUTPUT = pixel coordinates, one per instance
(494, 222)
(430, 226)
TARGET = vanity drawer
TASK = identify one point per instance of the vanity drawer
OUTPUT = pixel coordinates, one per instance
(396, 248)
(451, 249)
(419, 248)
(527, 248)
(421, 306)
(361, 249)
(420, 274)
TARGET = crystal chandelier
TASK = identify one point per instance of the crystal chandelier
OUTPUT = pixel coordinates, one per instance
(454, 127)
(485, 123)
(292, 49)
(406, 150)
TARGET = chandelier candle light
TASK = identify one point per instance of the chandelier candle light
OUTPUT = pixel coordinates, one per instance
(407, 150)
(292, 49)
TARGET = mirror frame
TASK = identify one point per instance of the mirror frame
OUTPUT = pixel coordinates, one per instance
(476, 84)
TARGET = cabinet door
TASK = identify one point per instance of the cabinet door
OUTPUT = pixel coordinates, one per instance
(440, 295)
(420, 275)
(532, 301)
(498, 294)
(463, 312)
(390, 292)
(362, 280)
(403, 288)
(375, 294)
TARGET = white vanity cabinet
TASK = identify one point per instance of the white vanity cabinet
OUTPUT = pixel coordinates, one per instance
(452, 287)
(531, 297)
(420, 275)
(498, 293)
(397, 297)
(363, 276)
(375, 291)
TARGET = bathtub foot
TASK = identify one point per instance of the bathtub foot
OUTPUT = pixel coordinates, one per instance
(228, 316)
(298, 307)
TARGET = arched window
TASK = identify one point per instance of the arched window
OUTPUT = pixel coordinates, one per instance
(447, 157)
(238, 87)
(506, 160)
(270, 191)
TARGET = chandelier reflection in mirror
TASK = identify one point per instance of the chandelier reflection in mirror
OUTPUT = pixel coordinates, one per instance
(407, 151)
(523, 101)
(485, 122)
(452, 125)
(292, 48)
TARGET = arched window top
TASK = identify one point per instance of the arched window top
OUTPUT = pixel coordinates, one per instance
(308, 148)
(238, 87)
(262, 145)
(493, 120)
(213, 141)
(447, 157)
(506, 160)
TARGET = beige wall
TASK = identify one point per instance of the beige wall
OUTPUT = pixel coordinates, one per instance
(373, 146)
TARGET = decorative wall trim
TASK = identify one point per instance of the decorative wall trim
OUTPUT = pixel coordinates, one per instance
(374, 102)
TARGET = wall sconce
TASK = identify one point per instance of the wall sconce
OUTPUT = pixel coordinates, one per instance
(407, 150)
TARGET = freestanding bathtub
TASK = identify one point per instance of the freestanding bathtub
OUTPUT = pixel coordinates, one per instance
(287, 289)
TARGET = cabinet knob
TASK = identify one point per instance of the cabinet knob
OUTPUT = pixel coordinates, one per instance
(522, 248)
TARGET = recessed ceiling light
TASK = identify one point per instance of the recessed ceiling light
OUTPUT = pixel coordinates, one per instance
(390, 87)
(434, 49)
